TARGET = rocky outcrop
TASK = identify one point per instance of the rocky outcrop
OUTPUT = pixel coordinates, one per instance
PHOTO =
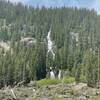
(52, 92)
(28, 41)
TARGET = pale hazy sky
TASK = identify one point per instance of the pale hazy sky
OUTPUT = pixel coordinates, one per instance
(91, 4)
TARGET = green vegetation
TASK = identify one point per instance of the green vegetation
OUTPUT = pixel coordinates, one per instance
(76, 36)
(45, 82)
(68, 79)
(55, 98)
(83, 79)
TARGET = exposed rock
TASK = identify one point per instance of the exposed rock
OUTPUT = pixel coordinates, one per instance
(79, 86)
(5, 46)
(52, 92)
(28, 41)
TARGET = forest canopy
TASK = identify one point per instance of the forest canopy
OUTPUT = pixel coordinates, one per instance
(74, 32)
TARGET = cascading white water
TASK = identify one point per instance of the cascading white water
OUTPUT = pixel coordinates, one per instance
(50, 44)
(59, 75)
(52, 75)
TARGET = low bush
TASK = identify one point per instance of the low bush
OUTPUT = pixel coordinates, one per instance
(48, 82)
(83, 79)
(66, 79)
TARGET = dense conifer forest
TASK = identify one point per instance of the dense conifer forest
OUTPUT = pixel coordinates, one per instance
(76, 39)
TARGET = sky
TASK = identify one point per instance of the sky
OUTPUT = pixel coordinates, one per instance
(90, 4)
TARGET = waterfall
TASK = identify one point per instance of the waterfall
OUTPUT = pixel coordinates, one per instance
(50, 44)
(52, 75)
(59, 75)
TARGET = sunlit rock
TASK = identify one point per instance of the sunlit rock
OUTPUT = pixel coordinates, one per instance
(28, 41)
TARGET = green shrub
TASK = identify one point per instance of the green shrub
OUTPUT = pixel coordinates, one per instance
(83, 79)
(48, 82)
(68, 79)
(55, 98)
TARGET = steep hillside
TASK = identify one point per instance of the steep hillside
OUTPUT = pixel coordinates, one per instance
(41, 40)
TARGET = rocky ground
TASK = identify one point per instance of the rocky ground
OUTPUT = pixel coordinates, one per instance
(52, 92)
